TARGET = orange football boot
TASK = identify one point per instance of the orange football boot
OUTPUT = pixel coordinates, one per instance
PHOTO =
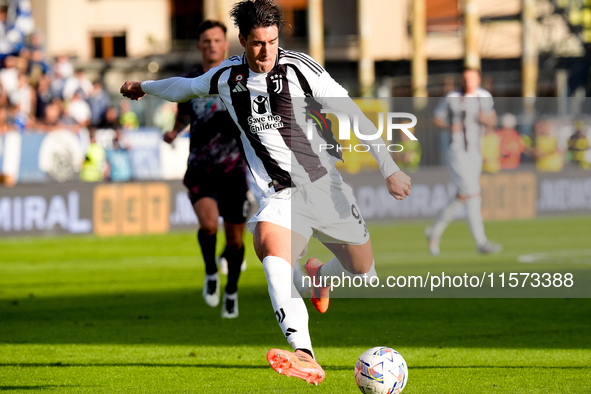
(320, 294)
(297, 364)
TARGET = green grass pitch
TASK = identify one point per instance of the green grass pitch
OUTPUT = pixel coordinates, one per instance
(125, 315)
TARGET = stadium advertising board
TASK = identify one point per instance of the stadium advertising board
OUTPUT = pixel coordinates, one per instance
(107, 209)
(31, 157)
(45, 209)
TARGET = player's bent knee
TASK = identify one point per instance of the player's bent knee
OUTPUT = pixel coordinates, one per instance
(208, 228)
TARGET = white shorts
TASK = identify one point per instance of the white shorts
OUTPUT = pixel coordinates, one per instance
(466, 169)
(325, 209)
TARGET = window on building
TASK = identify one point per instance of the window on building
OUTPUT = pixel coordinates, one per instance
(443, 15)
(107, 46)
(295, 13)
(186, 15)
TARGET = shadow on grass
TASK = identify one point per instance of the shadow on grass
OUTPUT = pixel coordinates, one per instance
(182, 318)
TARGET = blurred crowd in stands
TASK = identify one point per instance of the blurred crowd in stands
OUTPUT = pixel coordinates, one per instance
(38, 94)
(550, 146)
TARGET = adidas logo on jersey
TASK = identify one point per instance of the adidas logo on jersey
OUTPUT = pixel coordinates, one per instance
(239, 87)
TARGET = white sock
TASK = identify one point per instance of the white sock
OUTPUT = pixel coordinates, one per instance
(335, 268)
(298, 280)
(215, 276)
(474, 217)
(290, 310)
(445, 217)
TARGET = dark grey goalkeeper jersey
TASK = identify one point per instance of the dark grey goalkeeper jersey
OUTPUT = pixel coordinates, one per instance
(270, 111)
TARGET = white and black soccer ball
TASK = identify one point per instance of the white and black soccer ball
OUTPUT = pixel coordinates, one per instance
(381, 370)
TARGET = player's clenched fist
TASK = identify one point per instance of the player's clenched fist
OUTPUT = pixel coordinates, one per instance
(399, 185)
(132, 90)
(169, 136)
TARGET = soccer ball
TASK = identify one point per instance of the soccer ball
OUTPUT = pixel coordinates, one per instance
(381, 370)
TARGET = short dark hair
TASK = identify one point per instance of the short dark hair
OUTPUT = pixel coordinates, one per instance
(251, 14)
(210, 24)
(471, 68)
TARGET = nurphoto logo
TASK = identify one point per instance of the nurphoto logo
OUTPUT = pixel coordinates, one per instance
(344, 129)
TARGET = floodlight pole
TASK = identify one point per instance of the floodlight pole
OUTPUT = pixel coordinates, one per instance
(366, 66)
(471, 32)
(529, 51)
(419, 58)
(316, 30)
(215, 10)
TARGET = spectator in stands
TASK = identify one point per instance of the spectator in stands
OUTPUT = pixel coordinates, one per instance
(6, 124)
(128, 118)
(491, 151)
(99, 102)
(78, 110)
(77, 82)
(544, 148)
(16, 23)
(53, 117)
(9, 75)
(165, 116)
(512, 144)
(38, 64)
(62, 70)
(94, 165)
(43, 96)
(24, 99)
(578, 146)
(118, 163)
(110, 120)
(410, 157)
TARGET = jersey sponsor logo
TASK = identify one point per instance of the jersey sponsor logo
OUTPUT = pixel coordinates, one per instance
(266, 120)
(260, 105)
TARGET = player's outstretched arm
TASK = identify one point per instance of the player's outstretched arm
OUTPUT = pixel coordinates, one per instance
(176, 89)
(399, 185)
(132, 90)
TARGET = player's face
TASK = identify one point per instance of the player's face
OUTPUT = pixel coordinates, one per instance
(213, 45)
(470, 80)
(261, 47)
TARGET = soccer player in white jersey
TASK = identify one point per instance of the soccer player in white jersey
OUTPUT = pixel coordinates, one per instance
(303, 194)
(466, 113)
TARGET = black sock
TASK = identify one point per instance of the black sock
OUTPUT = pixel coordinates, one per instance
(207, 243)
(308, 352)
(234, 256)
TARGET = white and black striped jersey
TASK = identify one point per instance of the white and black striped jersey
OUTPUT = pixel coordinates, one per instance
(270, 111)
(458, 107)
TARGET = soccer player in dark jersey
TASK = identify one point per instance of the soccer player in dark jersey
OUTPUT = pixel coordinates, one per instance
(216, 173)
(303, 194)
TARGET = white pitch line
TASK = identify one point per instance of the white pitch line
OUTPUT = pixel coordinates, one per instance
(564, 256)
